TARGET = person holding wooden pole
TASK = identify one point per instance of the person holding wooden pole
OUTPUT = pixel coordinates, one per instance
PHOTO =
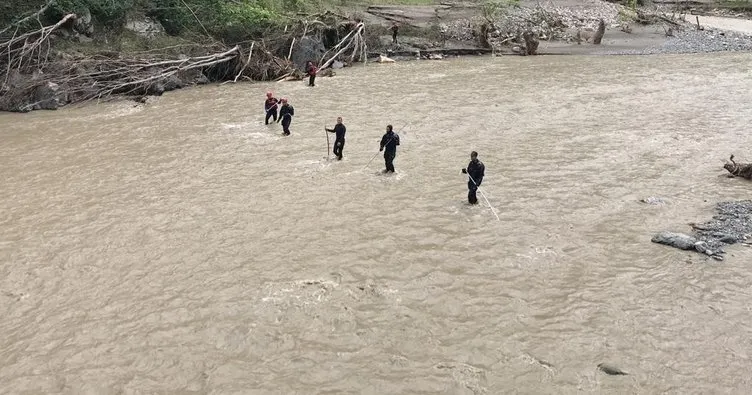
(339, 142)
(475, 170)
(389, 143)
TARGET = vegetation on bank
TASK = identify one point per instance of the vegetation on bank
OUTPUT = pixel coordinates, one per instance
(226, 20)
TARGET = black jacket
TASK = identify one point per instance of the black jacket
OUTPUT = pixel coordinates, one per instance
(287, 111)
(339, 130)
(390, 141)
(476, 169)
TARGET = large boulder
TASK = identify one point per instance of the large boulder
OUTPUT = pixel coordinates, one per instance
(143, 26)
(193, 76)
(49, 97)
(83, 23)
(305, 49)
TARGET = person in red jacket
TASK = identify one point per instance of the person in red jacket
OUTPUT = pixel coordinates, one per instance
(270, 107)
(311, 71)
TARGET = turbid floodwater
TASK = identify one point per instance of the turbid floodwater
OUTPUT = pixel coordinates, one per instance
(184, 247)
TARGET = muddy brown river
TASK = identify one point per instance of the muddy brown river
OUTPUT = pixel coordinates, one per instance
(183, 247)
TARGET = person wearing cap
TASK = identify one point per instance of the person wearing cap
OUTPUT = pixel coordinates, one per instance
(389, 143)
(285, 115)
(339, 143)
(475, 171)
(270, 107)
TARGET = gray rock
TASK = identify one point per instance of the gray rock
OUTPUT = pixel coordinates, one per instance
(193, 76)
(307, 48)
(653, 200)
(144, 26)
(725, 237)
(678, 240)
(49, 97)
(172, 82)
(83, 23)
(611, 370)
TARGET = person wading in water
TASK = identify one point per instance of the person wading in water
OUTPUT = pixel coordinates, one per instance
(389, 143)
(395, 29)
(285, 116)
(339, 143)
(311, 71)
(475, 170)
(270, 107)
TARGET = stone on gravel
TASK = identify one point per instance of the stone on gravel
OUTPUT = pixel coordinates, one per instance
(678, 240)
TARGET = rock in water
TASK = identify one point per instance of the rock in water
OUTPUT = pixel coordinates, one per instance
(384, 59)
(608, 369)
(678, 240)
(653, 200)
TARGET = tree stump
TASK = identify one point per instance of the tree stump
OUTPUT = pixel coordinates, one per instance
(743, 170)
(599, 33)
(531, 43)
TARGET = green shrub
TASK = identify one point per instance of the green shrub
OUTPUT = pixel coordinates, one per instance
(103, 11)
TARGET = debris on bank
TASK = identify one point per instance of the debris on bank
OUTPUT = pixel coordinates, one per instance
(732, 224)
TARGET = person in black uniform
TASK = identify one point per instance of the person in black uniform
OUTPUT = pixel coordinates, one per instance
(339, 143)
(285, 116)
(475, 170)
(389, 143)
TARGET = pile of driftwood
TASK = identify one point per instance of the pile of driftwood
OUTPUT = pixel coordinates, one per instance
(34, 76)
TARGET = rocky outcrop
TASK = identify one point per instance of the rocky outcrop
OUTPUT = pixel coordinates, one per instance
(22, 94)
(305, 49)
(143, 26)
(49, 97)
(83, 23)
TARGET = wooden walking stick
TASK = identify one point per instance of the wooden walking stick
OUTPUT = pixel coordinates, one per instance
(326, 132)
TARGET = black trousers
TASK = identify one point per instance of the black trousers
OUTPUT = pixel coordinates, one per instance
(394, 38)
(286, 125)
(471, 189)
(339, 145)
(312, 80)
(271, 113)
(389, 160)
